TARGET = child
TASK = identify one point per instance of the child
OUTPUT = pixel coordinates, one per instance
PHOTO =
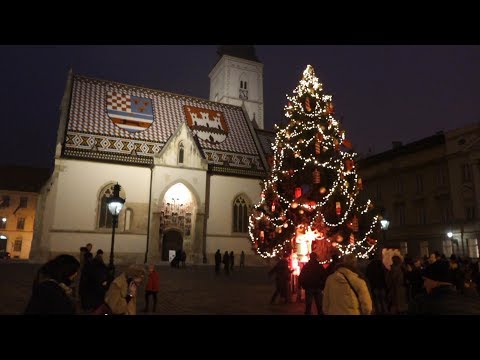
(152, 287)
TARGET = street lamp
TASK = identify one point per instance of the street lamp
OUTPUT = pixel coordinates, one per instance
(115, 204)
(385, 224)
(449, 234)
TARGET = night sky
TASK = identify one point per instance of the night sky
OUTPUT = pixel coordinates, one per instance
(383, 93)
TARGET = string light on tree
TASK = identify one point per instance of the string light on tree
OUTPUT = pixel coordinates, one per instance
(309, 203)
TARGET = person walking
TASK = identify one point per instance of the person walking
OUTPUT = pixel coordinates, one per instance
(218, 261)
(226, 262)
(232, 260)
(152, 287)
(312, 279)
(282, 274)
(242, 259)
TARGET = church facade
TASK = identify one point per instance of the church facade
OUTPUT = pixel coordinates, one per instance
(190, 169)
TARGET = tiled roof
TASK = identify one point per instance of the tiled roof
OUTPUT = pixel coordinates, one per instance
(267, 138)
(92, 134)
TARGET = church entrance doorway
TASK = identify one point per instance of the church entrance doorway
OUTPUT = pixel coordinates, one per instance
(172, 240)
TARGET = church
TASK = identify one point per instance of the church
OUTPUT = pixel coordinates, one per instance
(190, 169)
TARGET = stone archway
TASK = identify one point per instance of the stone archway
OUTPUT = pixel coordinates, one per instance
(172, 240)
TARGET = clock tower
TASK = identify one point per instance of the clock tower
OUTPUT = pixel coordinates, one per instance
(237, 79)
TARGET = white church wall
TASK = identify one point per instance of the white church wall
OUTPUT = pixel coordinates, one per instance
(79, 185)
(223, 191)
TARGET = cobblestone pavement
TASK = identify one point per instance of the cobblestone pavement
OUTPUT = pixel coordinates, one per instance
(194, 290)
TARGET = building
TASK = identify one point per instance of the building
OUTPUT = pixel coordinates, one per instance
(189, 168)
(19, 190)
(427, 189)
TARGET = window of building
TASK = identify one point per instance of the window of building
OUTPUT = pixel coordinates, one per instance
(240, 215)
(20, 223)
(243, 92)
(466, 173)
(442, 176)
(399, 186)
(5, 201)
(23, 202)
(445, 215)
(424, 248)
(400, 214)
(470, 212)
(105, 219)
(181, 151)
(128, 219)
(3, 222)
(447, 247)
(403, 248)
(17, 245)
(472, 248)
(419, 179)
(421, 216)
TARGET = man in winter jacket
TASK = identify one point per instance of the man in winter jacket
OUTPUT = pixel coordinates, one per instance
(312, 279)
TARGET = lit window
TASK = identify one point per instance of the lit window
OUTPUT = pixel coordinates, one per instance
(20, 223)
(23, 202)
(17, 245)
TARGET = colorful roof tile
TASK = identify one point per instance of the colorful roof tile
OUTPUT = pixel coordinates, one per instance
(110, 121)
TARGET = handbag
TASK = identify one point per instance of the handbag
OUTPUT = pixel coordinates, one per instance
(103, 309)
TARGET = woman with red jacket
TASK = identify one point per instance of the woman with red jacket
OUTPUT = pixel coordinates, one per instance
(152, 287)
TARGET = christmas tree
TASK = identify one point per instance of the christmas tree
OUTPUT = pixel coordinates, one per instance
(310, 201)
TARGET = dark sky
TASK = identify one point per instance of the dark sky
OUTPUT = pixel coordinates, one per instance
(384, 93)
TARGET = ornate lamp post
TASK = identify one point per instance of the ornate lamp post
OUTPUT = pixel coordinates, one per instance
(385, 224)
(115, 205)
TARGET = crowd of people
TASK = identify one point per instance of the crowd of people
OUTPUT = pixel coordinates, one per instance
(434, 285)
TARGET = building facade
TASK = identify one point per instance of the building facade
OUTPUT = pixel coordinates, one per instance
(189, 168)
(428, 190)
(19, 192)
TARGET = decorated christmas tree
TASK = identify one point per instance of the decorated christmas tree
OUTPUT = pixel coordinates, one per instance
(310, 201)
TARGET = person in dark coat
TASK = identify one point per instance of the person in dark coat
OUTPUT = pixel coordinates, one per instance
(441, 297)
(218, 261)
(97, 282)
(232, 260)
(86, 283)
(51, 292)
(312, 279)
(282, 277)
(242, 259)
(375, 274)
(226, 262)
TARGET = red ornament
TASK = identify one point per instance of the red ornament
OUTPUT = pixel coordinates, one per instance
(338, 208)
(298, 192)
(349, 164)
(330, 108)
(307, 104)
(347, 144)
(360, 184)
(355, 223)
(316, 176)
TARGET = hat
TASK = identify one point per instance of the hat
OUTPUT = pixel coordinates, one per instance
(438, 271)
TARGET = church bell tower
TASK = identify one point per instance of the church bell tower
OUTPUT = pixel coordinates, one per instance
(237, 79)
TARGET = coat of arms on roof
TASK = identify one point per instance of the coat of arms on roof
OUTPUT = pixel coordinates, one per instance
(208, 125)
(128, 112)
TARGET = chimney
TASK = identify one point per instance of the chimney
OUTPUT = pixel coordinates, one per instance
(396, 144)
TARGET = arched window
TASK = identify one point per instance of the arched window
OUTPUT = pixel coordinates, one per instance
(181, 151)
(240, 214)
(104, 216)
(128, 219)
